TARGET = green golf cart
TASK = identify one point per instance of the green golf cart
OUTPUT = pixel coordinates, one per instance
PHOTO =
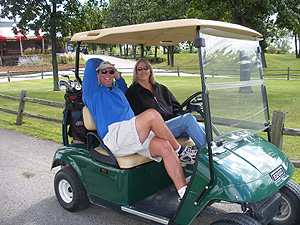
(235, 165)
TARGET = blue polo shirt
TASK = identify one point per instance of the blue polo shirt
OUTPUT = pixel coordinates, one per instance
(107, 106)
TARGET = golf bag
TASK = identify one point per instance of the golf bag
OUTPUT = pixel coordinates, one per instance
(73, 117)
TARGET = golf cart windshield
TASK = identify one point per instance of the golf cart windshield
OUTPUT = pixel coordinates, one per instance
(235, 84)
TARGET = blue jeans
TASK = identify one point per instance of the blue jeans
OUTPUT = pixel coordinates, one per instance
(187, 126)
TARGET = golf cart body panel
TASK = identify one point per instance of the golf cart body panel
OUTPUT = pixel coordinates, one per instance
(236, 165)
(120, 186)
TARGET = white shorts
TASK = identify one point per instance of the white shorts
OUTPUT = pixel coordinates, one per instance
(122, 139)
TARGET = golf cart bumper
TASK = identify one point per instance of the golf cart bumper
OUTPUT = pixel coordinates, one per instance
(246, 172)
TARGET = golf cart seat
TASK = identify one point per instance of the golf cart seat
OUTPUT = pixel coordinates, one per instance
(124, 162)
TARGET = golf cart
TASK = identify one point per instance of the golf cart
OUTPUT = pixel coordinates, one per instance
(235, 165)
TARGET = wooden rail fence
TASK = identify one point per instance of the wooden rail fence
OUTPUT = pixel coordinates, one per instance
(277, 127)
(278, 130)
(20, 113)
(288, 73)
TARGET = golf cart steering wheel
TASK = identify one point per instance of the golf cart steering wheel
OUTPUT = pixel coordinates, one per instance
(191, 104)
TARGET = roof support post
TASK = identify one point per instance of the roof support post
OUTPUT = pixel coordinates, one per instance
(199, 43)
(77, 62)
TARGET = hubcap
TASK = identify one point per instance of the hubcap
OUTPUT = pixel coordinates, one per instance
(65, 191)
(285, 211)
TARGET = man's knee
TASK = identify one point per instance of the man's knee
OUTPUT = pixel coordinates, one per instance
(161, 147)
(152, 114)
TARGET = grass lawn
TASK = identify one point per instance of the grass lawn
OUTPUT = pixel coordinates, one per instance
(274, 61)
(282, 95)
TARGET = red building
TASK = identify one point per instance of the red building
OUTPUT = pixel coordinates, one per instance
(12, 46)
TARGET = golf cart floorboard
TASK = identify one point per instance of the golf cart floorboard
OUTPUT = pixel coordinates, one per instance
(163, 203)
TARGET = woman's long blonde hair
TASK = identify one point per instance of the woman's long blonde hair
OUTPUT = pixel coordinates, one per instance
(151, 77)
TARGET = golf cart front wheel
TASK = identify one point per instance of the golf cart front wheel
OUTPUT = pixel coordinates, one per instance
(290, 205)
(69, 190)
(236, 219)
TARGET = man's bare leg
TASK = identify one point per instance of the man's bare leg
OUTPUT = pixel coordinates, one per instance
(152, 120)
(163, 144)
(161, 147)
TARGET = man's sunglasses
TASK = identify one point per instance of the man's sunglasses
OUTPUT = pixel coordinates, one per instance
(141, 68)
(109, 71)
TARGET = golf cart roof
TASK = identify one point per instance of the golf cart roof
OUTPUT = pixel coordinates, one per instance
(170, 32)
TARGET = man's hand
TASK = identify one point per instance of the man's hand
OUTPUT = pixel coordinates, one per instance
(117, 75)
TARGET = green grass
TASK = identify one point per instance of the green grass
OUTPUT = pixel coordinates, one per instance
(282, 61)
(41, 89)
(282, 95)
(274, 61)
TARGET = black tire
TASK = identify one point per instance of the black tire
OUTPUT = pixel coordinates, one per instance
(69, 190)
(290, 206)
(236, 219)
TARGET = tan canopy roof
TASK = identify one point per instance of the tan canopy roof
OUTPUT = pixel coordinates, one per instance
(169, 32)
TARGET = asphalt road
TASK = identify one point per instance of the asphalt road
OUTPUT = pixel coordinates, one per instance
(27, 193)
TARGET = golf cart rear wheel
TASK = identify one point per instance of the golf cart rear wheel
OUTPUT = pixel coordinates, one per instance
(69, 190)
(290, 205)
(236, 219)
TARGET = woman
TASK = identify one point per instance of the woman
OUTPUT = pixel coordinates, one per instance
(146, 93)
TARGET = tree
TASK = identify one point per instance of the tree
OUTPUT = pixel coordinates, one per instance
(281, 41)
(124, 12)
(161, 10)
(288, 17)
(254, 14)
(51, 16)
(90, 17)
(128, 12)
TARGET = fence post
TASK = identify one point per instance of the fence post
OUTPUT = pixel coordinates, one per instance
(42, 73)
(21, 108)
(288, 75)
(8, 76)
(277, 128)
(213, 72)
(178, 71)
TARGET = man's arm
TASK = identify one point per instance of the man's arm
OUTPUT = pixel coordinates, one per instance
(90, 80)
(121, 83)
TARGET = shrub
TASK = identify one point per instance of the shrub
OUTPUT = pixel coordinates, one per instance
(62, 60)
(30, 61)
(29, 51)
(272, 50)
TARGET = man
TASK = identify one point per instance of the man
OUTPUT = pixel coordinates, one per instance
(122, 132)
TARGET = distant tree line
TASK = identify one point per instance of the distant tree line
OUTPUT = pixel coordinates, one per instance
(70, 16)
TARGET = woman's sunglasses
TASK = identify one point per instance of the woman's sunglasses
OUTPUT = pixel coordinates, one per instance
(141, 68)
(109, 71)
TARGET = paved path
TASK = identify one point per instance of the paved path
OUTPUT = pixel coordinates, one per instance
(27, 193)
(123, 65)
